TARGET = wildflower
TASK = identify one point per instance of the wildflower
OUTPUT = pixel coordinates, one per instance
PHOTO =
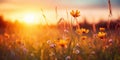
(101, 35)
(52, 45)
(68, 58)
(32, 54)
(76, 51)
(25, 50)
(106, 46)
(18, 42)
(49, 42)
(63, 37)
(75, 13)
(110, 40)
(51, 54)
(63, 43)
(6, 35)
(66, 31)
(9, 46)
(78, 31)
(82, 31)
(83, 37)
(94, 35)
(102, 29)
(93, 52)
(77, 45)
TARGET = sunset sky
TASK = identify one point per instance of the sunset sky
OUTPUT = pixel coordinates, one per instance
(92, 9)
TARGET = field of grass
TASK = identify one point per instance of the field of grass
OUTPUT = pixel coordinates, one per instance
(19, 42)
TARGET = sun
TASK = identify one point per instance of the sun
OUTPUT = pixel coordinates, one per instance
(30, 18)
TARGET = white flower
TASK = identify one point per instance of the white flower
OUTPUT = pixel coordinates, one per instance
(68, 58)
(93, 52)
(49, 42)
(76, 51)
(77, 45)
(66, 31)
(110, 40)
(32, 54)
(52, 45)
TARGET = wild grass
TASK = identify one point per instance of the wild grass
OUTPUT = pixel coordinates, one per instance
(60, 42)
(55, 43)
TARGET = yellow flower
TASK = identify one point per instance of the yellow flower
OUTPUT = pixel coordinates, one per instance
(75, 13)
(83, 37)
(62, 43)
(78, 31)
(101, 35)
(102, 29)
(6, 35)
(82, 30)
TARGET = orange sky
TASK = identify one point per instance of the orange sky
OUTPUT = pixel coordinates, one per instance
(92, 9)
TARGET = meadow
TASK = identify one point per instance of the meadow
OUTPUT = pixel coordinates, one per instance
(59, 42)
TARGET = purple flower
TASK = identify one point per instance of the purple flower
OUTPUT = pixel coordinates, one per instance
(68, 58)
(110, 41)
(52, 45)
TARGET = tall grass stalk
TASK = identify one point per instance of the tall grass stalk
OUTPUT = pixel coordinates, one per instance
(67, 14)
(56, 12)
(78, 26)
(110, 13)
(44, 17)
(94, 27)
(110, 8)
